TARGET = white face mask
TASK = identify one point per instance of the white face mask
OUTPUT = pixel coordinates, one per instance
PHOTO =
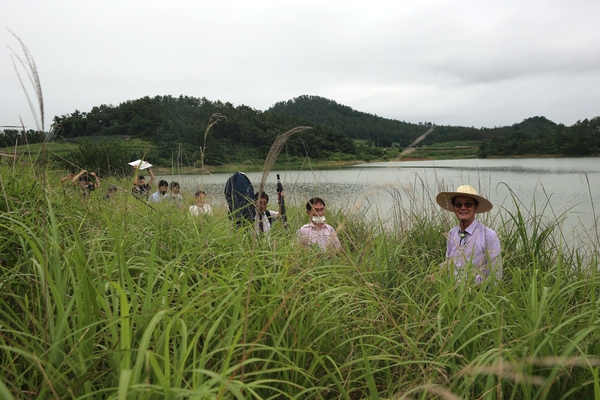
(318, 220)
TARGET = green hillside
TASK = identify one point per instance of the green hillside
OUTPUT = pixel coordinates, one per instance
(197, 131)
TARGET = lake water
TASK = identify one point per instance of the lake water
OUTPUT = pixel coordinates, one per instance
(567, 187)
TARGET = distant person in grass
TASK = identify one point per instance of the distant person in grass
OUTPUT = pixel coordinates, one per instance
(473, 250)
(140, 187)
(266, 218)
(83, 180)
(112, 189)
(161, 193)
(200, 207)
(174, 197)
(317, 232)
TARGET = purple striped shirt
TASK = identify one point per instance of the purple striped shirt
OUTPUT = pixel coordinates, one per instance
(479, 247)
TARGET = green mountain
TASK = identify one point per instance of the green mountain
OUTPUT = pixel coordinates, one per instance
(178, 125)
(178, 128)
(531, 136)
(355, 124)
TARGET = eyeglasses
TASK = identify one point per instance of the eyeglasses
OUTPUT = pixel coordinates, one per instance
(459, 204)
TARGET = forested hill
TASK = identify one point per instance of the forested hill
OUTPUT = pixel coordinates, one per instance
(356, 124)
(176, 127)
(535, 135)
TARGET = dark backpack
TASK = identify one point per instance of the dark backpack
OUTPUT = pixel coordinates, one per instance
(239, 194)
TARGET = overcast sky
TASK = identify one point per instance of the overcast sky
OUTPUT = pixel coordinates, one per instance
(472, 63)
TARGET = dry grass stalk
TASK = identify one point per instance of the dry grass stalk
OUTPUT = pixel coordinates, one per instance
(411, 147)
(216, 117)
(31, 70)
(274, 152)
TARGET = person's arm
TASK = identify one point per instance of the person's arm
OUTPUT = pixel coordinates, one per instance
(76, 177)
(136, 173)
(302, 238)
(495, 256)
(334, 242)
(151, 176)
(97, 183)
(69, 177)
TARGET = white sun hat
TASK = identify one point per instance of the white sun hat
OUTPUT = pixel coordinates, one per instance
(444, 199)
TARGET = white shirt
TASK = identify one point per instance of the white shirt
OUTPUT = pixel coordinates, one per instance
(263, 221)
(196, 211)
(156, 197)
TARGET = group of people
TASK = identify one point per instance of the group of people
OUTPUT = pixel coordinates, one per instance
(472, 249)
(315, 233)
(168, 192)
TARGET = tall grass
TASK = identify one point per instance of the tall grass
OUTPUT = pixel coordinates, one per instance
(114, 299)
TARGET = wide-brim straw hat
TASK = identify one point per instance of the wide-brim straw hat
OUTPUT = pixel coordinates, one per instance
(444, 199)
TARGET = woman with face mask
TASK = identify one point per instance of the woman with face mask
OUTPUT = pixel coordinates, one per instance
(317, 231)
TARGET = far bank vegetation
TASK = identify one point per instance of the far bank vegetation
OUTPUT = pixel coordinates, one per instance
(172, 131)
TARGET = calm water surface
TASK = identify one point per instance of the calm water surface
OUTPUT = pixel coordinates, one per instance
(569, 186)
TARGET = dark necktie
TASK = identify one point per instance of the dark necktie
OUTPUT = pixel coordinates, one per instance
(463, 237)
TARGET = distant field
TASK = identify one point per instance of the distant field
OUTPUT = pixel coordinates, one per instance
(448, 150)
(63, 147)
(52, 147)
(438, 151)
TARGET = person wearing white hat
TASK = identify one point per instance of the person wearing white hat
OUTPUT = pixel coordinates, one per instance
(471, 243)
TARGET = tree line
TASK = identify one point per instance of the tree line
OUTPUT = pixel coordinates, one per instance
(536, 135)
(176, 127)
(540, 136)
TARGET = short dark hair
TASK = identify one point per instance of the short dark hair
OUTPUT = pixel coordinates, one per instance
(200, 192)
(84, 178)
(140, 177)
(174, 185)
(313, 201)
(112, 188)
(262, 195)
(162, 182)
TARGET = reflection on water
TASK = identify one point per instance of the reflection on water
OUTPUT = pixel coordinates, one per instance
(554, 185)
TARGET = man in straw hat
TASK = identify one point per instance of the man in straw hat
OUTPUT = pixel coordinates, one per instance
(471, 243)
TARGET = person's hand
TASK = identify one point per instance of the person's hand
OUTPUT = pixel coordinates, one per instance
(93, 174)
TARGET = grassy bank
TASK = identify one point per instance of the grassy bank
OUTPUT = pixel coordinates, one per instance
(116, 299)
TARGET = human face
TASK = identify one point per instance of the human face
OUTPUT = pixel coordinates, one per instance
(317, 210)
(175, 190)
(162, 189)
(465, 214)
(261, 205)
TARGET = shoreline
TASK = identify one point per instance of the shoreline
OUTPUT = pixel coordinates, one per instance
(325, 165)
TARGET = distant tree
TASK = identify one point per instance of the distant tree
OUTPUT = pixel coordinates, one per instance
(105, 157)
